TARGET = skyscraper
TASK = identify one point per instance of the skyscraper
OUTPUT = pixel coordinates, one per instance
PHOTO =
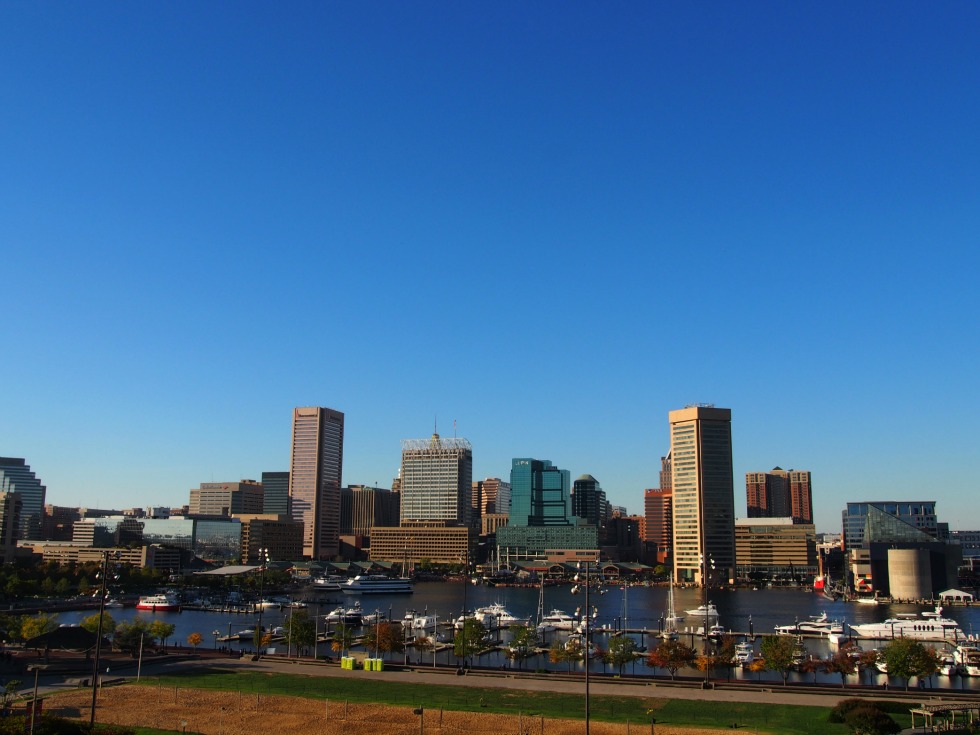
(779, 494)
(436, 480)
(491, 496)
(703, 493)
(540, 494)
(275, 487)
(16, 477)
(589, 501)
(315, 477)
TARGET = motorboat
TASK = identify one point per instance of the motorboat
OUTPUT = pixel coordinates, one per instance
(330, 583)
(576, 642)
(163, 602)
(417, 621)
(557, 620)
(929, 627)
(744, 654)
(947, 664)
(967, 658)
(708, 611)
(346, 615)
(496, 616)
(716, 632)
(377, 584)
(816, 625)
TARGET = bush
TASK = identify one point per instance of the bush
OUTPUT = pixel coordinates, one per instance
(843, 708)
(869, 720)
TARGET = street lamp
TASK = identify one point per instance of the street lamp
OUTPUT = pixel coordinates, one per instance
(98, 638)
(263, 560)
(586, 627)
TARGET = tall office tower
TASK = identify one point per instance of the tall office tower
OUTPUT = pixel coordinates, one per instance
(589, 501)
(226, 498)
(779, 494)
(704, 495)
(314, 478)
(10, 506)
(276, 488)
(658, 526)
(540, 494)
(437, 480)
(665, 472)
(16, 477)
(362, 507)
(491, 496)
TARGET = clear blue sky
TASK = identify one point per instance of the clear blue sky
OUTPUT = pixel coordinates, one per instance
(550, 222)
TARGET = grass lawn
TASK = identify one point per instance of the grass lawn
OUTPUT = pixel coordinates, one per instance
(792, 720)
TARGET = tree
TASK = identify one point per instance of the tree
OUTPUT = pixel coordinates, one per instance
(778, 651)
(559, 653)
(194, 640)
(671, 655)
(468, 639)
(907, 657)
(867, 661)
(622, 650)
(161, 631)
(868, 719)
(300, 630)
(843, 662)
(129, 635)
(8, 693)
(34, 625)
(91, 624)
(384, 637)
(343, 638)
(523, 644)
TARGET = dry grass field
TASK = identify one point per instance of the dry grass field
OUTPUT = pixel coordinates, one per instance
(230, 713)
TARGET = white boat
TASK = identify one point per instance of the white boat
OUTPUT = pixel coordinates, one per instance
(744, 654)
(715, 632)
(867, 600)
(377, 584)
(245, 635)
(671, 618)
(496, 616)
(708, 611)
(163, 602)
(330, 583)
(967, 658)
(930, 627)
(576, 642)
(113, 603)
(947, 664)
(816, 625)
(557, 620)
(418, 621)
(346, 615)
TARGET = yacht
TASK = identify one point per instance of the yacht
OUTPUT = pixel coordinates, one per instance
(496, 616)
(816, 625)
(708, 611)
(947, 664)
(967, 658)
(377, 584)
(557, 620)
(418, 621)
(345, 615)
(330, 583)
(744, 654)
(930, 626)
(164, 602)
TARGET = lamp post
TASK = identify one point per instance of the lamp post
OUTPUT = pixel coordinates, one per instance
(585, 650)
(98, 639)
(263, 560)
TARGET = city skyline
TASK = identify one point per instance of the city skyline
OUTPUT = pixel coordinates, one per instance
(550, 225)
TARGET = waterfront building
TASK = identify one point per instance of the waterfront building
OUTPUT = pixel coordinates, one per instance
(884, 520)
(779, 493)
(621, 539)
(589, 501)
(10, 508)
(316, 469)
(362, 507)
(58, 522)
(275, 489)
(775, 549)
(212, 539)
(153, 556)
(226, 498)
(411, 542)
(658, 523)
(703, 494)
(16, 476)
(436, 480)
(491, 496)
(278, 534)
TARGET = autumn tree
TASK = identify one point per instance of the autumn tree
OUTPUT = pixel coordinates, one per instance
(34, 625)
(559, 653)
(622, 650)
(778, 651)
(343, 639)
(161, 631)
(91, 624)
(671, 655)
(842, 662)
(384, 637)
(194, 640)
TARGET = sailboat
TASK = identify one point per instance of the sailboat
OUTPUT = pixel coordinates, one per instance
(671, 618)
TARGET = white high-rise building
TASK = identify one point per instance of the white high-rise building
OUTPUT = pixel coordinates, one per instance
(436, 480)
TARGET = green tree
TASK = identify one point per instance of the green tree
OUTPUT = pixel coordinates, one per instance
(62, 588)
(622, 650)
(31, 626)
(523, 644)
(671, 655)
(130, 633)
(777, 651)
(300, 630)
(8, 693)
(91, 624)
(160, 631)
(343, 639)
(867, 719)
(468, 639)
(84, 586)
(907, 657)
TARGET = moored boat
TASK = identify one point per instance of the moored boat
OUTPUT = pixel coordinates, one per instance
(163, 602)
(377, 584)
(929, 627)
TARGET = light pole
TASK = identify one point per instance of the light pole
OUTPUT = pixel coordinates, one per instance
(98, 638)
(585, 650)
(263, 560)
